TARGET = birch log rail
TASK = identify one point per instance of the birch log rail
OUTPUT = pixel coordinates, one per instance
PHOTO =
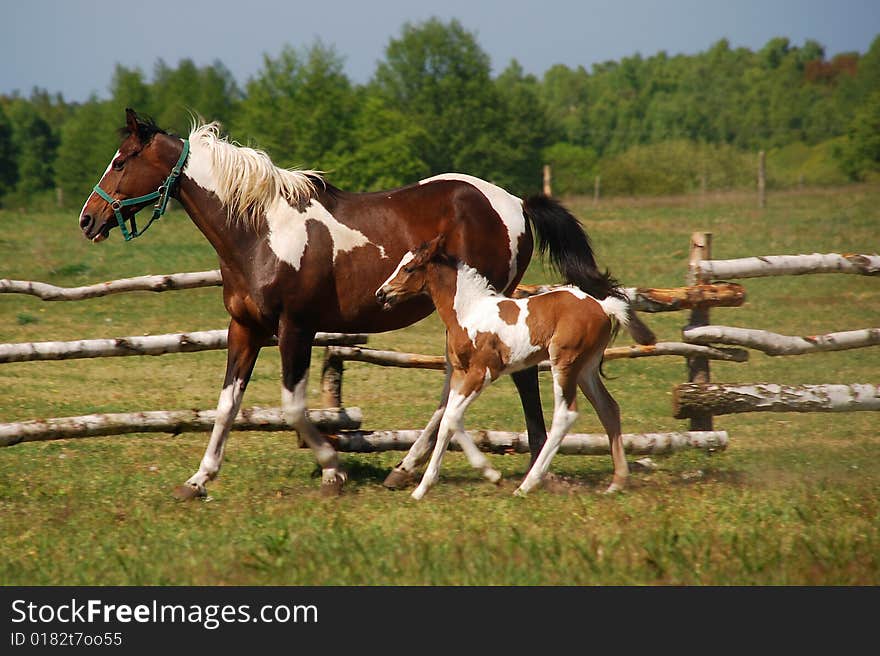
(666, 299)
(720, 399)
(203, 340)
(166, 421)
(155, 283)
(776, 344)
(420, 361)
(585, 444)
(790, 265)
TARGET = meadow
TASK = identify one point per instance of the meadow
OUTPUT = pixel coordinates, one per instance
(794, 500)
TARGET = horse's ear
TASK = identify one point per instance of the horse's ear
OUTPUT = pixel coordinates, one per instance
(131, 121)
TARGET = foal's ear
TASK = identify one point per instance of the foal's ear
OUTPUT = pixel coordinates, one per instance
(435, 248)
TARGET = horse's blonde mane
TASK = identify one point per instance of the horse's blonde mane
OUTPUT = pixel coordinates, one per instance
(247, 182)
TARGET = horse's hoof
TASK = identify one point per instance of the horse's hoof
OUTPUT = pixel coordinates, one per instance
(492, 475)
(397, 479)
(189, 492)
(333, 488)
(519, 492)
(418, 494)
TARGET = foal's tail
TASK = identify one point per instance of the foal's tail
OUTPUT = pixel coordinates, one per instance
(559, 232)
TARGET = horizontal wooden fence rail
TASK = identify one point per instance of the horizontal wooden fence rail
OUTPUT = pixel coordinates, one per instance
(720, 399)
(776, 344)
(666, 299)
(584, 444)
(155, 283)
(420, 361)
(202, 340)
(644, 299)
(789, 265)
(168, 421)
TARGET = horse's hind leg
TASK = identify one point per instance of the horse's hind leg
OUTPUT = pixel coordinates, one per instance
(526, 382)
(244, 347)
(295, 346)
(609, 414)
(404, 472)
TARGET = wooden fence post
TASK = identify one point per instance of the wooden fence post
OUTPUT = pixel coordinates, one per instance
(548, 187)
(331, 380)
(698, 365)
(596, 190)
(762, 180)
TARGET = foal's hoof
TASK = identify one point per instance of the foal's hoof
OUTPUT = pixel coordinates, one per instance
(492, 475)
(618, 483)
(189, 492)
(397, 479)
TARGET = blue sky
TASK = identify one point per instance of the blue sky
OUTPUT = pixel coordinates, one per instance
(72, 46)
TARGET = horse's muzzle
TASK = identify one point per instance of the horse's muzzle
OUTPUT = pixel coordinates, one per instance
(385, 300)
(91, 231)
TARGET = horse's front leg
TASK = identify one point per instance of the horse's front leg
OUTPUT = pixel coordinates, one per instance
(295, 345)
(244, 347)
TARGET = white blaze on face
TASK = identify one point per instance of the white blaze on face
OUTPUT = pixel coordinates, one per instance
(477, 310)
(508, 207)
(407, 257)
(106, 171)
(288, 236)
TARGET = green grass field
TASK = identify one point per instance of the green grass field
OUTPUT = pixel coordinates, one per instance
(795, 499)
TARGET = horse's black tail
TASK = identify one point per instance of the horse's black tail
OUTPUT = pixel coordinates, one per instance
(560, 233)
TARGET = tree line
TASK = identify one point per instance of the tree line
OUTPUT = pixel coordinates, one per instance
(655, 124)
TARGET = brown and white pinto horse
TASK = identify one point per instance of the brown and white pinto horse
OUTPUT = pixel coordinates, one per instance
(489, 334)
(298, 255)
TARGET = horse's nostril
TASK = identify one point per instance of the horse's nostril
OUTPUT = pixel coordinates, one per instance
(85, 221)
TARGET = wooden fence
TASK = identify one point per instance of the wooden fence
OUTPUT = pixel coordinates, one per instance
(698, 400)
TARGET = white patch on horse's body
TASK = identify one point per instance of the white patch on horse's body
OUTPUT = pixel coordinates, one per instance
(477, 310)
(508, 207)
(246, 181)
(288, 236)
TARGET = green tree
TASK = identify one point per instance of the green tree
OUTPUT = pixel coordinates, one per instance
(8, 166)
(181, 93)
(34, 146)
(88, 141)
(129, 89)
(299, 107)
(860, 152)
(386, 150)
(437, 74)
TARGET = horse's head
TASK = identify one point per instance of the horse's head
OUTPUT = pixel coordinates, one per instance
(138, 170)
(410, 278)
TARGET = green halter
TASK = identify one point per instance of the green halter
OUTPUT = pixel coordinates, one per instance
(161, 196)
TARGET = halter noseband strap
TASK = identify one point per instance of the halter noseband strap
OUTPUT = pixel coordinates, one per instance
(161, 196)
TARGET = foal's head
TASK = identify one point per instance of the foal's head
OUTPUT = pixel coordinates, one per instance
(410, 278)
(141, 165)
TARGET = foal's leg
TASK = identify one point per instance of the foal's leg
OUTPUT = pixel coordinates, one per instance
(609, 414)
(404, 471)
(244, 346)
(460, 398)
(295, 346)
(564, 415)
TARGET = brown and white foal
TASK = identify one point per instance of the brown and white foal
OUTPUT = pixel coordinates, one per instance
(489, 334)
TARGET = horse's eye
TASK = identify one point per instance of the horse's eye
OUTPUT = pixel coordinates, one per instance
(118, 164)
